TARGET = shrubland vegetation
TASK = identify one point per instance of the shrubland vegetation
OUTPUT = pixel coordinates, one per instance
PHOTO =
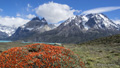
(40, 56)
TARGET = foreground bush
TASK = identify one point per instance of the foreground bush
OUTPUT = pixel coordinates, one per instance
(40, 56)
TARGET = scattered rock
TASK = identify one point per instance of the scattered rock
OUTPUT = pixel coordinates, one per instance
(116, 54)
(0, 51)
(112, 51)
(99, 51)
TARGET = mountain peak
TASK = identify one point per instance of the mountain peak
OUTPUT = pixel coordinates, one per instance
(100, 21)
(91, 21)
(36, 18)
(93, 15)
(43, 20)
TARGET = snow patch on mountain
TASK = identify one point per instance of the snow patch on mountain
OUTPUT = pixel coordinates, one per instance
(84, 20)
(69, 20)
(7, 29)
(103, 20)
(96, 21)
(29, 29)
(37, 25)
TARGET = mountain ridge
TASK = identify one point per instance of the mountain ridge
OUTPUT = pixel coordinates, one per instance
(105, 40)
(36, 25)
(80, 28)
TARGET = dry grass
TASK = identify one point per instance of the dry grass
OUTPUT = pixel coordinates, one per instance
(98, 56)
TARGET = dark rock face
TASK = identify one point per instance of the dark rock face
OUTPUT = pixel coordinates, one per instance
(3, 35)
(0, 51)
(75, 37)
(91, 22)
(34, 26)
(36, 22)
(21, 34)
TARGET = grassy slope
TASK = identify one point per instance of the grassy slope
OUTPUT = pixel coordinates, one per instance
(100, 53)
(105, 40)
(6, 46)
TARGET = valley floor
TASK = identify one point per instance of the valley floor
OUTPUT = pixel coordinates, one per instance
(94, 56)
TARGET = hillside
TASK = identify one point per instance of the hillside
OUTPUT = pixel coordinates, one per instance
(114, 39)
(100, 53)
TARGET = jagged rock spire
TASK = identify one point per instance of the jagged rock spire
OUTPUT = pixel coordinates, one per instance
(36, 18)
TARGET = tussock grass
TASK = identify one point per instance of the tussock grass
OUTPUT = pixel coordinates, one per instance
(98, 56)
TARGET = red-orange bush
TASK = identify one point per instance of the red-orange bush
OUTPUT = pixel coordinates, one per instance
(40, 56)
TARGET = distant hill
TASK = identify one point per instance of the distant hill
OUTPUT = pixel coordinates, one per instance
(105, 40)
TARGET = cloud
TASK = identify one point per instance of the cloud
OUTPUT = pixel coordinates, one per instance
(18, 14)
(28, 7)
(55, 12)
(117, 21)
(1, 10)
(101, 10)
(30, 16)
(10, 21)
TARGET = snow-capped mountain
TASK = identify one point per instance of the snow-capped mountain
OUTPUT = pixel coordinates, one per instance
(7, 29)
(36, 25)
(79, 28)
(3, 35)
(91, 21)
(39, 25)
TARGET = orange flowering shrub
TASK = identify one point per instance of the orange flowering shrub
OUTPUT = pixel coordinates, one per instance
(40, 56)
